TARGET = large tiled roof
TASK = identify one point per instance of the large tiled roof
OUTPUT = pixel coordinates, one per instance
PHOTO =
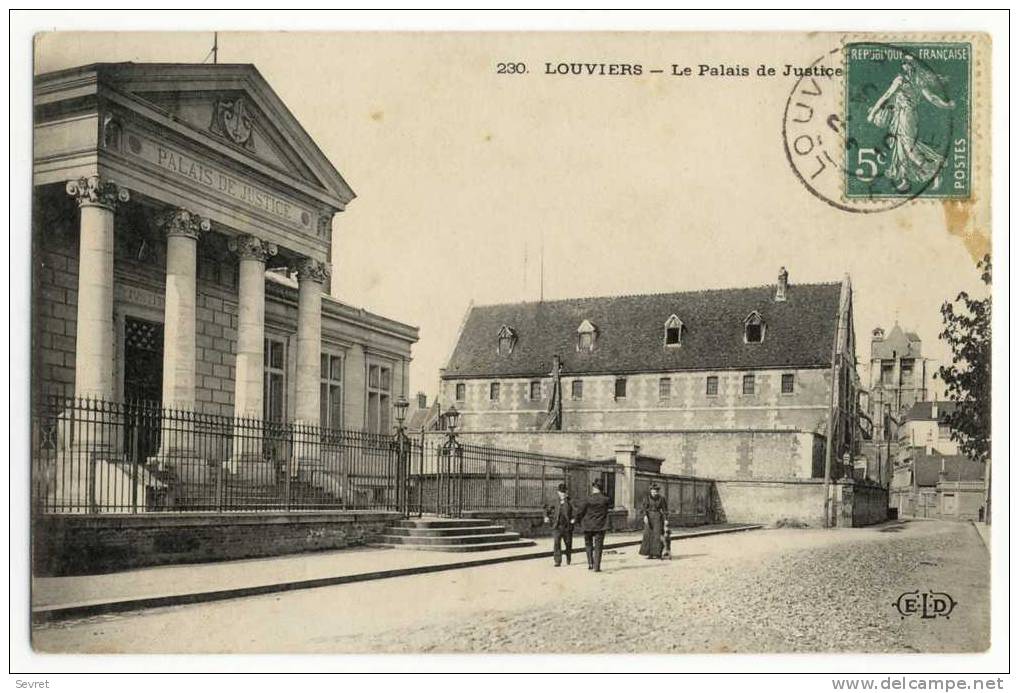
(957, 468)
(921, 411)
(630, 333)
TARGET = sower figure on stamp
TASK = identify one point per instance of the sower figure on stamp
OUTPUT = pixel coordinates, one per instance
(560, 516)
(593, 516)
(656, 523)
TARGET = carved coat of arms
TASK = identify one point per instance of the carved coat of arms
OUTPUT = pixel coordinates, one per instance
(232, 119)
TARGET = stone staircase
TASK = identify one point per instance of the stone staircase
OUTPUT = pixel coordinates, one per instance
(460, 536)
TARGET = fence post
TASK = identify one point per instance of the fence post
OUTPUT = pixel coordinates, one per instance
(135, 458)
(488, 476)
(516, 484)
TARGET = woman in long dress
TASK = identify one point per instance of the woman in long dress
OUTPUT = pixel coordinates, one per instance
(910, 161)
(656, 521)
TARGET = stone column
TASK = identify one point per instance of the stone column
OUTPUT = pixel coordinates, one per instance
(252, 253)
(311, 276)
(97, 200)
(626, 477)
(249, 371)
(94, 426)
(182, 229)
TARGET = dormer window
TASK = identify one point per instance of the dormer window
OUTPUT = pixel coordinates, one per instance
(753, 328)
(586, 336)
(507, 340)
(673, 331)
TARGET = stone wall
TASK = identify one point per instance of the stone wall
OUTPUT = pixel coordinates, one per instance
(802, 503)
(687, 405)
(738, 454)
(81, 544)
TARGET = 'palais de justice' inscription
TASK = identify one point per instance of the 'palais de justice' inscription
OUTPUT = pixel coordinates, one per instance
(213, 178)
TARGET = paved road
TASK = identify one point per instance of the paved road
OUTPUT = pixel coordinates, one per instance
(781, 590)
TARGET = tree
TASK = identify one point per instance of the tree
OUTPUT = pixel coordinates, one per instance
(968, 379)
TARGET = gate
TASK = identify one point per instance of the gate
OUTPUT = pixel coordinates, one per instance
(450, 479)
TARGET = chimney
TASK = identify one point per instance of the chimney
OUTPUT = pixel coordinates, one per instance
(783, 284)
(879, 334)
(934, 411)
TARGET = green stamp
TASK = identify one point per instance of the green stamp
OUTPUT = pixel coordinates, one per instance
(908, 120)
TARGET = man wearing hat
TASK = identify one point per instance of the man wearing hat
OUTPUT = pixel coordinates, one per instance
(560, 516)
(593, 516)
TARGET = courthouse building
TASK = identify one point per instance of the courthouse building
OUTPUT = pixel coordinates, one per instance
(726, 384)
(182, 248)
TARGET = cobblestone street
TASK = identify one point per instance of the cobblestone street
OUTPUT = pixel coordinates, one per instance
(776, 590)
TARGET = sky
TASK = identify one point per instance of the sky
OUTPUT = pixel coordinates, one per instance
(469, 181)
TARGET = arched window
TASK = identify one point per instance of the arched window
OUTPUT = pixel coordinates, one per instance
(753, 328)
(507, 340)
(586, 336)
(673, 331)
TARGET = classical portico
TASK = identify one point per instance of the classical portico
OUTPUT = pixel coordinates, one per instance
(167, 162)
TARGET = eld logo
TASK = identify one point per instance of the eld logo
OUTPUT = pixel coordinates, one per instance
(926, 604)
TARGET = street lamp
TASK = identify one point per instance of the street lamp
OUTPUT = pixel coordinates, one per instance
(400, 405)
(452, 419)
(403, 464)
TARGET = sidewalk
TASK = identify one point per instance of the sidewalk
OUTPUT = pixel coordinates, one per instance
(56, 598)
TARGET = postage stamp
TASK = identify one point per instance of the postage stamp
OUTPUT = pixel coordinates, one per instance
(907, 116)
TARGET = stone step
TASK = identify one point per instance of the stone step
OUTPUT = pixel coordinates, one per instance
(501, 537)
(464, 548)
(442, 523)
(444, 531)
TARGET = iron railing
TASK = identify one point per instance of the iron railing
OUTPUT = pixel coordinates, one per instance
(451, 478)
(94, 456)
(690, 500)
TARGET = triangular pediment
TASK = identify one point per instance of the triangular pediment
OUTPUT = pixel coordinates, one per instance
(237, 109)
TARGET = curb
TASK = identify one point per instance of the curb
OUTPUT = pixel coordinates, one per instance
(45, 614)
(980, 534)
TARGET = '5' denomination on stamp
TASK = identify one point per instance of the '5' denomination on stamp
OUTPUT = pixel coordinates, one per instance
(908, 131)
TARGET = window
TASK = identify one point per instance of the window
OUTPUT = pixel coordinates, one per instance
(379, 391)
(887, 373)
(507, 340)
(577, 389)
(944, 431)
(673, 331)
(494, 390)
(753, 327)
(748, 384)
(274, 373)
(664, 388)
(907, 372)
(535, 389)
(331, 392)
(586, 334)
(712, 386)
(461, 392)
(788, 383)
(620, 388)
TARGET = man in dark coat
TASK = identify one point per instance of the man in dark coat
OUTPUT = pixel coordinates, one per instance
(593, 516)
(560, 516)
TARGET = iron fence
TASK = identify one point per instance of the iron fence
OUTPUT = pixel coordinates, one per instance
(690, 500)
(450, 478)
(94, 456)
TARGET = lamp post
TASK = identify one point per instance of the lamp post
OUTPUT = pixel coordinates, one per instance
(402, 466)
(449, 448)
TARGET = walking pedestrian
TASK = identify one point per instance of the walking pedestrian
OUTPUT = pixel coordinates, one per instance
(655, 510)
(560, 516)
(593, 516)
